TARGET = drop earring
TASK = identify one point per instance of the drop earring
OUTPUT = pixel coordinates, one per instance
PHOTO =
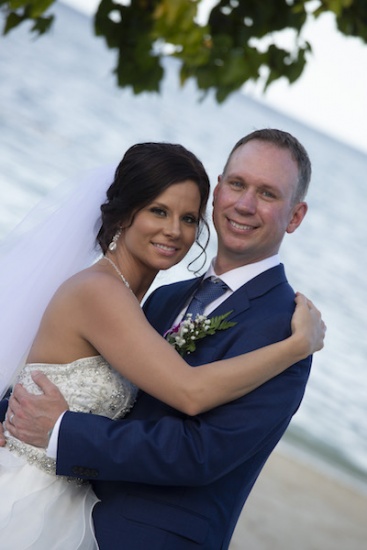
(113, 244)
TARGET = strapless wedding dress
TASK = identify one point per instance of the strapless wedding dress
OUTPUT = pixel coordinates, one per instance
(42, 511)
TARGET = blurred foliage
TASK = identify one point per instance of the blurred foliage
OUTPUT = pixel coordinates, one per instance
(240, 41)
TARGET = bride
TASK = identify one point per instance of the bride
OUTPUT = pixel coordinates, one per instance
(93, 340)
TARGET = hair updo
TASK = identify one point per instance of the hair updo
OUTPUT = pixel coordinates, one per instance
(145, 171)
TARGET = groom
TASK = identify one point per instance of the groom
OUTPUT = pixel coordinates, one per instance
(169, 481)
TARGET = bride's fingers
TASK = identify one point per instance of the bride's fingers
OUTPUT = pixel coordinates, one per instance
(311, 305)
(316, 313)
(301, 298)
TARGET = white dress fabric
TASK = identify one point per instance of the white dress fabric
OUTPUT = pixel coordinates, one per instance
(42, 511)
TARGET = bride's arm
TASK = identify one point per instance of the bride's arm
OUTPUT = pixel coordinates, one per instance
(157, 368)
(127, 341)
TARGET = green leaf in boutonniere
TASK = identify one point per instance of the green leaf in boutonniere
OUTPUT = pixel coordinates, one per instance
(183, 337)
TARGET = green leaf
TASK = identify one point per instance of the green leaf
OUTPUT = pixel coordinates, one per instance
(43, 24)
(220, 56)
(32, 10)
(11, 22)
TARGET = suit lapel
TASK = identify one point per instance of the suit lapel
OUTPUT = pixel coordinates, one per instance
(240, 300)
(173, 298)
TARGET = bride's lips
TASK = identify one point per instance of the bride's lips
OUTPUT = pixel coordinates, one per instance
(165, 249)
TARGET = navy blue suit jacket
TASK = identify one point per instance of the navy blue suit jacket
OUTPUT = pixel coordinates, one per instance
(168, 481)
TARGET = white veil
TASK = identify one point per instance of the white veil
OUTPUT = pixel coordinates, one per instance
(54, 241)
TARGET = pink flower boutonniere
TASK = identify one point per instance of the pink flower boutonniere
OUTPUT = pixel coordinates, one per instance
(183, 336)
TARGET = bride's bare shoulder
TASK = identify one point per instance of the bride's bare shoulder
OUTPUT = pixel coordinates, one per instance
(92, 283)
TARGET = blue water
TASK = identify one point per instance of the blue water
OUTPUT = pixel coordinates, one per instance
(61, 112)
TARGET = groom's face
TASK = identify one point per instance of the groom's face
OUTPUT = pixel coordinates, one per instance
(254, 204)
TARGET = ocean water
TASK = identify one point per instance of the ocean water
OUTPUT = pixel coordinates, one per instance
(60, 113)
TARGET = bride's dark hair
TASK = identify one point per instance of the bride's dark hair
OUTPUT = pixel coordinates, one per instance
(145, 171)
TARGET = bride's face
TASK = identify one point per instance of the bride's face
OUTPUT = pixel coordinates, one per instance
(163, 232)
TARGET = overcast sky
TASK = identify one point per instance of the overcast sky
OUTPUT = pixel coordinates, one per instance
(331, 95)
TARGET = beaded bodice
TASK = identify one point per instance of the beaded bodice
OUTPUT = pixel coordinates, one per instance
(89, 385)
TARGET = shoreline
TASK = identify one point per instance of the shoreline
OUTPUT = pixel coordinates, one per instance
(299, 503)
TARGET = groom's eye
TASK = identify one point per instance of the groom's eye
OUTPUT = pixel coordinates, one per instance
(236, 184)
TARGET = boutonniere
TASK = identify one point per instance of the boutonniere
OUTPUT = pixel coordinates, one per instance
(183, 336)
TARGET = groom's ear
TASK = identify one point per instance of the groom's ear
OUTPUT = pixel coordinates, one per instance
(215, 191)
(299, 212)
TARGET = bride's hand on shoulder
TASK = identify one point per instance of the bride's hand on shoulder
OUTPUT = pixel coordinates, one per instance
(308, 327)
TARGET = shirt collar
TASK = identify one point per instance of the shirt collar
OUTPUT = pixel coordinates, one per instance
(237, 277)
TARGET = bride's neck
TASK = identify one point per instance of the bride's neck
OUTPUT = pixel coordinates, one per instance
(138, 277)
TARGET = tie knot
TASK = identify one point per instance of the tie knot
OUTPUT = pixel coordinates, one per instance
(209, 290)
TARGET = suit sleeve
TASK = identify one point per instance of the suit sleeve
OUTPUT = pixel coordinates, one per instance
(175, 450)
(158, 445)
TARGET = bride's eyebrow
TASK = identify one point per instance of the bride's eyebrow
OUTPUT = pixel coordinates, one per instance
(157, 204)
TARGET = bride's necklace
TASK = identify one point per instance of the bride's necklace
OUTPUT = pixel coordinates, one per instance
(126, 283)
